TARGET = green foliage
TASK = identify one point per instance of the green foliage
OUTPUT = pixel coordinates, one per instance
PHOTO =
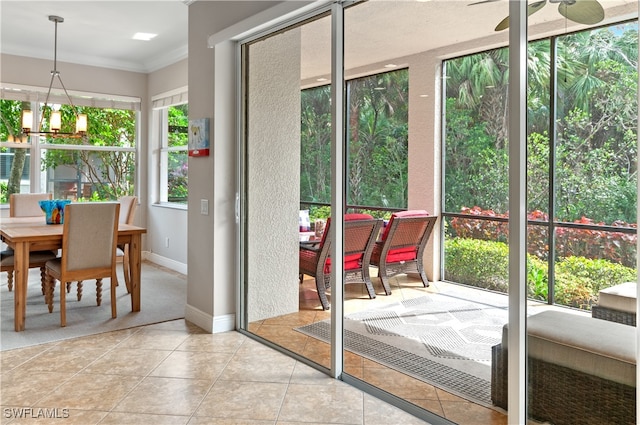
(377, 144)
(596, 138)
(592, 274)
(537, 279)
(477, 263)
(578, 280)
(4, 196)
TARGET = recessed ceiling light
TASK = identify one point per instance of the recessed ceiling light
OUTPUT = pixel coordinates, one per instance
(321, 79)
(391, 65)
(144, 36)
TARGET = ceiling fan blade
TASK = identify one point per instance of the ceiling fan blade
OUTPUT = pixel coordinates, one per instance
(531, 9)
(586, 12)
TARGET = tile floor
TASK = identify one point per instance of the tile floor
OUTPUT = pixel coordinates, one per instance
(280, 330)
(175, 373)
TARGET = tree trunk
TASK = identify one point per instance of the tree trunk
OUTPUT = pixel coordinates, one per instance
(17, 168)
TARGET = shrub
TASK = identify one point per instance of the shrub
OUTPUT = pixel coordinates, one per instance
(617, 247)
(578, 280)
(477, 263)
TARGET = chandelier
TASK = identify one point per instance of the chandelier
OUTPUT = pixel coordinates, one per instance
(55, 119)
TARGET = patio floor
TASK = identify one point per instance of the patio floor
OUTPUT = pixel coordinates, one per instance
(281, 331)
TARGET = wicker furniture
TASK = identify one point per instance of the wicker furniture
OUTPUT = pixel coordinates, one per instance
(580, 370)
(401, 246)
(617, 304)
(89, 240)
(26, 205)
(360, 232)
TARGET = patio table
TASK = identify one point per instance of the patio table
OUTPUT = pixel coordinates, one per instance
(25, 234)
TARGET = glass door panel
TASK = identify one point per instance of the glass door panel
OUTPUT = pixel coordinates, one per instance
(287, 134)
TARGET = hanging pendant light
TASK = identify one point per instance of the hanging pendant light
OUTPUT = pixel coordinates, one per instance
(55, 118)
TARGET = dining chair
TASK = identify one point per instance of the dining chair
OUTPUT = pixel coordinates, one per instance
(360, 232)
(26, 205)
(128, 205)
(89, 241)
(401, 246)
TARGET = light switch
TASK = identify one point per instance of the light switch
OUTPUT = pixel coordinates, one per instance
(204, 206)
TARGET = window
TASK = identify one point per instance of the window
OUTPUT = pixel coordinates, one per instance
(100, 166)
(581, 171)
(174, 164)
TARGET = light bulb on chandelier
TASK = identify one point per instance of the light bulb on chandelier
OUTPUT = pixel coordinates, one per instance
(55, 118)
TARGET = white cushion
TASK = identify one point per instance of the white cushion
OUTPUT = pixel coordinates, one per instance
(620, 297)
(592, 346)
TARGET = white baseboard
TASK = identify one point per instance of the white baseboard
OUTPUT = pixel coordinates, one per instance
(207, 322)
(165, 262)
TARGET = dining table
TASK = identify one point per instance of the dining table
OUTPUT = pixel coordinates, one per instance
(25, 234)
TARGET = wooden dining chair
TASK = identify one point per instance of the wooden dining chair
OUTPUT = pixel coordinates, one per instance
(128, 205)
(26, 205)
(89, 241)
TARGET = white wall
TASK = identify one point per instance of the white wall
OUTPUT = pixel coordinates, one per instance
(273, 176)
(212, 282)
(165, 223)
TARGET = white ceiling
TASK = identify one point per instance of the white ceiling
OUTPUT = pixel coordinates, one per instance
(99, 32)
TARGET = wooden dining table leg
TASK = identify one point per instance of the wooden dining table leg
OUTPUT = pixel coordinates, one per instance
(135, 267)
(21, 277)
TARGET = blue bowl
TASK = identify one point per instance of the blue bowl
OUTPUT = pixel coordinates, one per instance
(54, 210)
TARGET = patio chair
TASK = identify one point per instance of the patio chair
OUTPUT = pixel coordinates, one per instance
(360, 232)
(401, 246)
(89, 240)
(26, 205)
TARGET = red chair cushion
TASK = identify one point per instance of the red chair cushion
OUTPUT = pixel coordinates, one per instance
(408, 213)
(353, 261)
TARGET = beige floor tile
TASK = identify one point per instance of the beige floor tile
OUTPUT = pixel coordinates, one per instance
(165, 396)
(90, 392)
(339, 403)
(193, 365)
(472, 414)
(128, 361)
(104, 341)
(267, 367)
(377, 412)
(155, 339)
(203, 420)
(23, 387)
(243, 400)
(11, 359)
(117, 418)
(58, 416)
(67, 359)
(224, 342)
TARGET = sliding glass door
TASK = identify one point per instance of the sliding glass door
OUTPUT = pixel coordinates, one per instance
(379, 107)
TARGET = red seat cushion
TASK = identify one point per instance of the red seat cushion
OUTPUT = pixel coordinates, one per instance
(398, 254)
(351, 262)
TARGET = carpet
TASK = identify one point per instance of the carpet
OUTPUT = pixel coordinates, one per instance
(443, 339)
(163, 296)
